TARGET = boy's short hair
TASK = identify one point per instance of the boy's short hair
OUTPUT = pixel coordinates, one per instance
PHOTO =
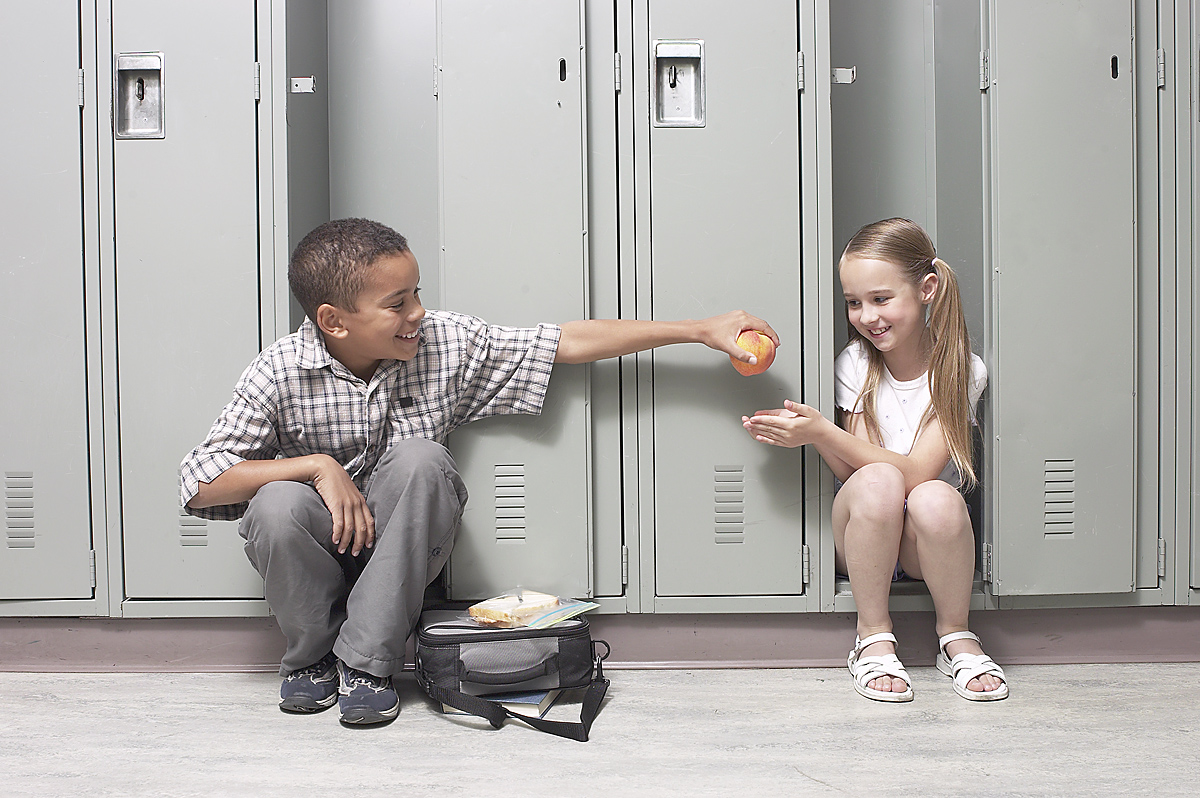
(331, 264)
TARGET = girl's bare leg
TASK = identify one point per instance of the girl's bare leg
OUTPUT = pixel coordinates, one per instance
(868, 521)
(938, 546)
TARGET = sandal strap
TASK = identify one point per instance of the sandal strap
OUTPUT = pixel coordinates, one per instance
(944, 640)
(965, 667)
(867, 668)
(878, 637)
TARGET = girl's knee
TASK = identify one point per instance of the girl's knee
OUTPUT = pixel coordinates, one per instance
(879, 475)
(876, 488)
(936, 507)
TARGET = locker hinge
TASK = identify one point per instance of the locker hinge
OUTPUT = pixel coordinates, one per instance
(81, 88)
(624, 565)
(799, 71)
(257, 80)
(617, 72)
(805, 565)
(93, 556)
(435, 78)
(1162, 557)
(985, 69)
(987, 562)
(1162, 68)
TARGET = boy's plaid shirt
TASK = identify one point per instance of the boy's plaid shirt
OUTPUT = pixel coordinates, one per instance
(296, 400)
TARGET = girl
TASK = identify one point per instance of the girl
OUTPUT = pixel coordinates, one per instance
(906, 388)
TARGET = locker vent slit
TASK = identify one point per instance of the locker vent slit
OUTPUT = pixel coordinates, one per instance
(18, 509)
(510, 502)
(1058, 502)
(193, 531)
(729, 504)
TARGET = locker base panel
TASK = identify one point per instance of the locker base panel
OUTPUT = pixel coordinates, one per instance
(72, 608)
(1148, 597)
(907, 596)
(734, 604)
(184, 608)
(663, 640)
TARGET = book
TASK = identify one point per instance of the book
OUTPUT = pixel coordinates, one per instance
(535, 703)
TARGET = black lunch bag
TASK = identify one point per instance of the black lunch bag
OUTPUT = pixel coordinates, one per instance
(460, 662)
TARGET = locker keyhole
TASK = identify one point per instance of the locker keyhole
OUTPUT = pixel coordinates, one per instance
(141, 89)
(562, 69)
(1114, 67)
(672, 77)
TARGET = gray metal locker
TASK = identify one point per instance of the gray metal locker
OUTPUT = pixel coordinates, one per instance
(1063, 349)
(512, 136)
(187, 276)
(43, 395)
(724, 177)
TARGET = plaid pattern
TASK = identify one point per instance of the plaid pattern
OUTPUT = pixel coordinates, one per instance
(296, 400)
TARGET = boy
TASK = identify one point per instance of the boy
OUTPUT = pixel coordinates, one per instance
(331, 451)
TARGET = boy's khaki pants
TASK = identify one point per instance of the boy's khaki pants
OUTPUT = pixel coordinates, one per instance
(362, 608)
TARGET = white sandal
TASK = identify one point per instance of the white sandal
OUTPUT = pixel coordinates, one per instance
(965, 667)
(864, 669)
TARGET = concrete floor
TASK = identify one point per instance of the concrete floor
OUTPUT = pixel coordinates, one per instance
(1066, 730)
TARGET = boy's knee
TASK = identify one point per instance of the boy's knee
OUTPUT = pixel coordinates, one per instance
(277, 508)
(415, 457)
(415, 453)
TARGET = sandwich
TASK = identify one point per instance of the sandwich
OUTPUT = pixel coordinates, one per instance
(512, 609)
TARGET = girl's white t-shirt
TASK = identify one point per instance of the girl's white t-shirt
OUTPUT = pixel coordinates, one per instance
(899, 405)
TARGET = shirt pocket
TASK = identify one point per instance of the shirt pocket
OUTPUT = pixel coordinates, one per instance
(423, 416)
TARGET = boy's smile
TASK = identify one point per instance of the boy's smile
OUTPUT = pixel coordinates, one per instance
(385, 325)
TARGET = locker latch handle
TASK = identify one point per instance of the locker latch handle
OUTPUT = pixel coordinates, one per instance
(678, 87)
(138, 99)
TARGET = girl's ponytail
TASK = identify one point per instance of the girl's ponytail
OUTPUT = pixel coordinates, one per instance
(950, 371)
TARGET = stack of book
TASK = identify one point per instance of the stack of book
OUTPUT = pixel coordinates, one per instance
(533, 704)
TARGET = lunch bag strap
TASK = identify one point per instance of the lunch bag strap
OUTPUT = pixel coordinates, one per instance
(496, 714)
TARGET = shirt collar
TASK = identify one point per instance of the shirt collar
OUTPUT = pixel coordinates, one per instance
(312, 353)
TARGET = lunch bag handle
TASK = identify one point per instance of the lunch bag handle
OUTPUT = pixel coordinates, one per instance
(544, 668)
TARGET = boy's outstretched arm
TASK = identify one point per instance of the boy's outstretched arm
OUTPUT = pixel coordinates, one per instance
(597, 339)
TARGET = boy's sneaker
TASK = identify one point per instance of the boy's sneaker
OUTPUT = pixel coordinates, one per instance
(312, 688)
(364, 698)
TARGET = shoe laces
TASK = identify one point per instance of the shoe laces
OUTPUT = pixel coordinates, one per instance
(315, 669)
(353, 678)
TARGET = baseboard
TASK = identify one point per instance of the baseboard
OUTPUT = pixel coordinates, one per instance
(1051, 636)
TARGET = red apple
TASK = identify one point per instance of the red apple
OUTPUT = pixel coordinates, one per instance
(758, 344)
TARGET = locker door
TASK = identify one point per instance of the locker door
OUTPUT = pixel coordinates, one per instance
(43, 395)
(1064, 343)
(187, 285)
(725, 235)
(513, 216)
(881, 137)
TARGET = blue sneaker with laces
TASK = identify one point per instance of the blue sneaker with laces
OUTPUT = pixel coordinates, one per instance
(311, 688)
(365, 699)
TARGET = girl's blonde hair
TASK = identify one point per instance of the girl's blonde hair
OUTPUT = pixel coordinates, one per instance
(905, 245)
